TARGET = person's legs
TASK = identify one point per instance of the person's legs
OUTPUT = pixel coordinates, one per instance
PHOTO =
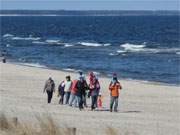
(116, 104)
(66, 98)
(84, 100)
(48, 97)
(49, 93)
(80, 102)
(111, 103)
(76, 103)
(72, 97)
(93, 102)
(61, 99)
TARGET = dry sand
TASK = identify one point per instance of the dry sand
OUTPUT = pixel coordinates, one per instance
(144, 108)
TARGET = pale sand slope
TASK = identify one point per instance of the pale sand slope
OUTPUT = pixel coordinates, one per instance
(144, 108)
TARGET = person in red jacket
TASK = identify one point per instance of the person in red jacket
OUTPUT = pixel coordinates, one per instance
(114, 88)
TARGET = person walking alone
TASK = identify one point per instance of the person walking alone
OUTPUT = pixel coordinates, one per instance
(49, 88)
(114, 88)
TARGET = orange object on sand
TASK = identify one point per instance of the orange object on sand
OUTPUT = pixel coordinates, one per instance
(100, 102)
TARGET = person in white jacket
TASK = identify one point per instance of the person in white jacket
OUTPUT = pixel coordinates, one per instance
(67, 89)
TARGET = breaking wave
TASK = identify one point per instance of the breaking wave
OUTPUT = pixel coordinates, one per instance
(33, 65)
(90, 44)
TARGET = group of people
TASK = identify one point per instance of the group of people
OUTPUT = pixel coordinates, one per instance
(75, 92)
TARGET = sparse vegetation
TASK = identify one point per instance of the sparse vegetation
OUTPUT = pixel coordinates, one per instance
(46, 126)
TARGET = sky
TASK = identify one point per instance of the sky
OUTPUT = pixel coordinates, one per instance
(91, 4)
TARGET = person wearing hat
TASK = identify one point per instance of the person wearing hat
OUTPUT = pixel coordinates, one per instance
(49, 88)
(114, 88)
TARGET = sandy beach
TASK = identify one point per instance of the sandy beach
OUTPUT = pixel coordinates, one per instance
(145, 108)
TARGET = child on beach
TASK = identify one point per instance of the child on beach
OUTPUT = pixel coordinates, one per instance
(114, 88)
(61, 92)
(100, 101)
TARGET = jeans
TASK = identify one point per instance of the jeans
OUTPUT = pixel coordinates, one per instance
(112, 101)
(67, 95)
(93, 102)
(73, 100)
(49, 94)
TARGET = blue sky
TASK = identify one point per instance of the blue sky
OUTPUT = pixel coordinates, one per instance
(91, 4)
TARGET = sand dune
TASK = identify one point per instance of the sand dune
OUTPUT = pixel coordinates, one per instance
(144, 108)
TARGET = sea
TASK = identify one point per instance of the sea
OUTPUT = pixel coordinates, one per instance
(135, 47)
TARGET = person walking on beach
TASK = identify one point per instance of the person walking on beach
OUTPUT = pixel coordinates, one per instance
(81, 86)
(94, 87)
(73, 98)
(114, 88)
(61, 92)
(49, 88)
(67, 89)
(86, 88)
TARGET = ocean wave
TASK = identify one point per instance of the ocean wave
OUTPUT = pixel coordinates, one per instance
(26, 38)
(70, 70)
(7, 35)
(39, 42)
(90, 44)
(68, 45)
(113, 54)
(133, 47)
(107, 44)
(144, 49)
(51, 41)
(33, 65)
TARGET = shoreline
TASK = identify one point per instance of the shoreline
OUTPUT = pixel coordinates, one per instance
(74, 71)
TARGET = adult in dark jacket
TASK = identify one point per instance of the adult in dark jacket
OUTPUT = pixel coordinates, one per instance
(81, 93)
(49, 88)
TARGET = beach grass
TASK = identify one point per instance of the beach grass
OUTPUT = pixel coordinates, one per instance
(46, 126)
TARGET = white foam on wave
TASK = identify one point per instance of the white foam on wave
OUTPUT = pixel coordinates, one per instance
(121, 51)
(52, 41)
(133, 47)
(68, 45)
(113, 54)
(178, 53)
(90, 44)
(26, 38)
(33, 65)
(70, 69)
(39, 42)
(7, 35)
(107, 44)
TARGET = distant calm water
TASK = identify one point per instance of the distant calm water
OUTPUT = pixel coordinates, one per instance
(136, 47)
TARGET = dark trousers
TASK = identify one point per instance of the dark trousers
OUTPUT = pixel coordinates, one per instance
(94, 102)
(80, 102)
(49, 94)
(61, 99)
